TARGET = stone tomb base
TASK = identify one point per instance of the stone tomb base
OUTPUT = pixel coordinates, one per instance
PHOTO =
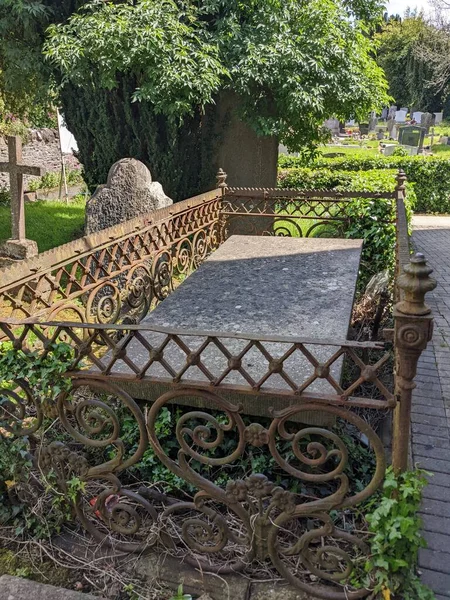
(267, 286)
(12, 251)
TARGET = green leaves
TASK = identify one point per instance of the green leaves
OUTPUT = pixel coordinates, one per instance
(176, 66)
(370, 220)
(396, 538)
(428, 176)
(292, 63)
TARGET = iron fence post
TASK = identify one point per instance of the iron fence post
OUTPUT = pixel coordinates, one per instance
(413, 327)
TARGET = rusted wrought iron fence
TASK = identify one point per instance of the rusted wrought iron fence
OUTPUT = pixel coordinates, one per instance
(116, 273)
(120, 272)
(290, 522)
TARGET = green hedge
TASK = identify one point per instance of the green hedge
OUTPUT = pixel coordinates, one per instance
(371, 220)
(429, 175)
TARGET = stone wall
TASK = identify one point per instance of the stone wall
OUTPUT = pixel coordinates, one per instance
(40, 150)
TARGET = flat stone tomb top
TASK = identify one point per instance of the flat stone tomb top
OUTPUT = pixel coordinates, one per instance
(276, 286)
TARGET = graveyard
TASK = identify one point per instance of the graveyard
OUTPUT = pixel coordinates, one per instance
(224, 317)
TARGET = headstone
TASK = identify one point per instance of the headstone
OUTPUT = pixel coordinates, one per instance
(389, 149)
(384, 114)
(393, 134)
(350, 123)
(412, 135)
(333, 125)
(373, 122)
(438, 118)
(405, 108)
(390, 126)
(18, 247)
(392, 111)
(426, 121)
(417, 116)
(129, 193)
(400, 115)
(364, 128)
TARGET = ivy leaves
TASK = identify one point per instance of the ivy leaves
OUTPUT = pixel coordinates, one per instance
(42, 372)
(396, 536)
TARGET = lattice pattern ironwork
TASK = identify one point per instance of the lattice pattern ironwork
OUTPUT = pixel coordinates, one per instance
(283, 522)
(116, 273)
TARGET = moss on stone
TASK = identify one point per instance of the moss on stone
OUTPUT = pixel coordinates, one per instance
(49, 572)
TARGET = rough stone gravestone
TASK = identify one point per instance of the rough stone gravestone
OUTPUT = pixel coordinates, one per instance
(384, 113)
(392, 111)
(129, 193)
(390, 126)
(333, 125)
(18, 247)
(277, 286)
(426, 121)
(373, 122)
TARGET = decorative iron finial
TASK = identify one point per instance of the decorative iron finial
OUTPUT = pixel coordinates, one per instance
(221, 179)
(401, 179)
(415, 281)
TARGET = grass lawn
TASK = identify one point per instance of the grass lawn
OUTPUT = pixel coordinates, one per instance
(351, 149)
(50, 223)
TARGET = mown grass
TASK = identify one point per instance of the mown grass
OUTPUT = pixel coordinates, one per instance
(50, 223)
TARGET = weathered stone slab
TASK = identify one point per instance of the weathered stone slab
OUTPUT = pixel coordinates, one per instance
(16, 588)
(265, 286)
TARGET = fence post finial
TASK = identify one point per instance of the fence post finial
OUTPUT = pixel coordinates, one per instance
(413, 330)
(221, 179)
(415, 281)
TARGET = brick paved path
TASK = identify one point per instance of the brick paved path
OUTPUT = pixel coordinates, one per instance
(431, 409)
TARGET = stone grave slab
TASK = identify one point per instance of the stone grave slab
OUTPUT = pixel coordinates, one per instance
(265, 286)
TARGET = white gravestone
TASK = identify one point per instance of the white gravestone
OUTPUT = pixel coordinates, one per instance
(68, 142)
(417, 116)
(400, 116)
(438, 118)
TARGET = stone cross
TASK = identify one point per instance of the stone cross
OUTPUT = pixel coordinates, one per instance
(16, 171)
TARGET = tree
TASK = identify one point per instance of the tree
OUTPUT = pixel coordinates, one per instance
(414, 54)
(144, 77)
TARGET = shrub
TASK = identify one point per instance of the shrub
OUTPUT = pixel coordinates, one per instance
(371, 220)
(430, 175)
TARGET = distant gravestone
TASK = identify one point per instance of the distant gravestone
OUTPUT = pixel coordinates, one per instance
(417, 116)
(129, 193)
(364, 128)
(384, 114)
(400, 115)
(392, 111)
(426, 121)
(333, 125)
(412, 136)
(438, 118)
(390, 127)
(373, 122)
